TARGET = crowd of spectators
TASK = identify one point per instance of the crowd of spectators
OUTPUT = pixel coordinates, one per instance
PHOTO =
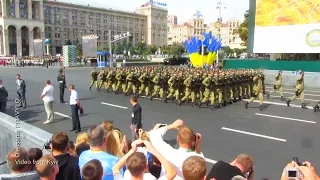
(104, 153)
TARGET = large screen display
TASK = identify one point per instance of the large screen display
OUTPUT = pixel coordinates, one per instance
(287, 26)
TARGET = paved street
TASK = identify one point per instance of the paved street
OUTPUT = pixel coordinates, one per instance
(273, 136)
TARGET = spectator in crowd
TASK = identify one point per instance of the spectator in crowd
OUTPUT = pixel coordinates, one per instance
(137, 163)
(239, 167)
(114, 145)
(68, 164)
(81, 148)
(82, 138)
(107, 126)
(71, 149)
(34, 154)
(194, 167)
(92, 170)
(19, 164)
(189, 144)
(47, 97)
(123, 140)
(98, 142)
(21, 91)
(47, 168)
(136, 117)
(307, 171)
(3, 98)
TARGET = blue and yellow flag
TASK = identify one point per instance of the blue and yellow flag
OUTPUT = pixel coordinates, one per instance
(194, 48)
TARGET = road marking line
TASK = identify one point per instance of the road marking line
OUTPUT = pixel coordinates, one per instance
(210, 161)
(114, 105)
(280, 104)
(152, 98)
(63, 115)
(271, 87)
(304, 94)
(291, 119)
(253, 134)
(299, 98)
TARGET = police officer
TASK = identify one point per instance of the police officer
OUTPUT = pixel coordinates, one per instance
(299, 90)
(62, 84)
(277, 85)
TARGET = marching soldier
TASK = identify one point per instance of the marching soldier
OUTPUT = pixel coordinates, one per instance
(129, 83)
(277, 85)
(103, 79)
(187, 84)
(196, 89)
(142, 80)
(299, 91)
(156, 85)
(94, 78)
(257, 90)
(172, 86)
(62, 84)
(208, 92)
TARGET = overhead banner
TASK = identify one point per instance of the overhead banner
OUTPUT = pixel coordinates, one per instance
(89, 45)
(38, 47)
(287, 26)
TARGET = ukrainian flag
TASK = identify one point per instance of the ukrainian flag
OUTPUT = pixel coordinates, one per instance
(194, 48)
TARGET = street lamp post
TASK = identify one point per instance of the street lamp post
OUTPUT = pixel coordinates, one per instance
(116, 38)
(202, 49)
(219, 7)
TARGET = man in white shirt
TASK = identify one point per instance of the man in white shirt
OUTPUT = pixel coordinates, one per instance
(75, 107)
(47, 97)
(189, 145)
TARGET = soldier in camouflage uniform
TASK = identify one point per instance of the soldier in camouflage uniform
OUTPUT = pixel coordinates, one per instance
(103, 79)
(187, 83)
(94, 78)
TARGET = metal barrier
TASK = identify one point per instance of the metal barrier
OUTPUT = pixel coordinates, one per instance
(30, 137)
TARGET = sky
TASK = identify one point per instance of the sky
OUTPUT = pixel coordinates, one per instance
(184, 10)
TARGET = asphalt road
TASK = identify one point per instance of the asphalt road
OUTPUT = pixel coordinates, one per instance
(273, 136)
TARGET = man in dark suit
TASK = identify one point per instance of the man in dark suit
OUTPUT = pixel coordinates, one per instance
(136, 117)
(3, 98)
(21, 91)
(62, 84)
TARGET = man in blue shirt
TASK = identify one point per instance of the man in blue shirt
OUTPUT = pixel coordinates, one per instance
(97, 151)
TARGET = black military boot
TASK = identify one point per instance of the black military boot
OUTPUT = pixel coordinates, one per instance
(151, 98)
(213, 108)
(261, 107)
(235, 100)
(315, 108)
(303, 105)
(246, 105)
(225, 103)
(194, 104)
(282, 98)
(231, 101)
(240, 98)
(90, 88)
(288, 102)
(220, 105)
(199, 104)
(165, 100)
(179, 102)
(268, 96)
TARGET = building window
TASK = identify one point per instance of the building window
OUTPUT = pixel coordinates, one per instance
(57, 35)
(58, 42)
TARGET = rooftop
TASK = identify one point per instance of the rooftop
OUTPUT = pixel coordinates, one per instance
(95, 6)
(184, 25)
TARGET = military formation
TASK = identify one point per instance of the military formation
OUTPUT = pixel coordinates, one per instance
(199, 87)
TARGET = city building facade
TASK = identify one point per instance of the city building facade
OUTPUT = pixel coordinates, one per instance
(66, 21)
(180, 33)
(20, 23)
(157, 27)
(226, 32)
(173, 20)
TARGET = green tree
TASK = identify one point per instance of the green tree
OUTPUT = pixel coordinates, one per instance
(78, 48)
(102, 47)
(242, 31)
(176, 50)
(140, 48)
(151, 49)
(227, 50)
(68, 42)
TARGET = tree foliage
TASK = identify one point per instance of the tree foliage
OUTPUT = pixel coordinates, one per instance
(68, 42)
(242, 31)
(78, 48)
